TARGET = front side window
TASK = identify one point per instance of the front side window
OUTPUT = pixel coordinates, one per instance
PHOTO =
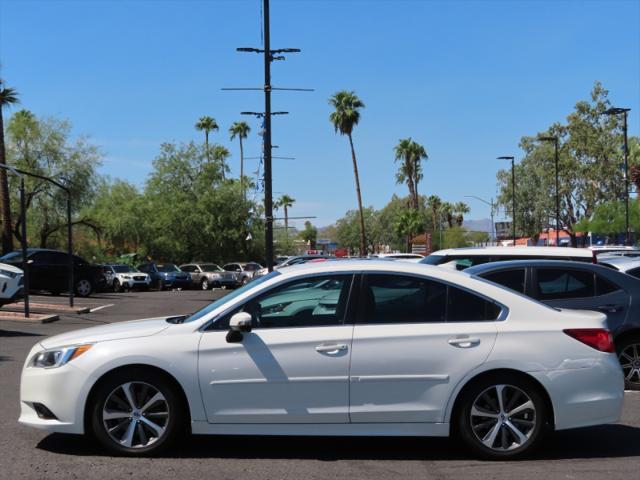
(555, 283)
(167, 267)
(513, 279)
(310, 302)
(405, 299)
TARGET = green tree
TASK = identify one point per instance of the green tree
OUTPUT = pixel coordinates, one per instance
(609, 219)
(459, 210)
(408, 224)
(348, 229)
(44, 146)
(8, 97)
(285, 202)
(309, 234)
(345, 116)
(206, 124)
(240, 130)
(410, 154)
(455, 237)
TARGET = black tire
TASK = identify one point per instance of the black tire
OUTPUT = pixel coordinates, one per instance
(83, 287)
(245, 280)
(116, 286)
(628, 351)
(161, 286)
(174, 427)
(532, 423)
(204, 284)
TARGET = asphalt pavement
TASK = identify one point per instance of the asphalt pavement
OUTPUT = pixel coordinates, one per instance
(611, 451)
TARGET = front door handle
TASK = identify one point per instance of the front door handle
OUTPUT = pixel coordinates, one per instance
(465, 342)
(332, 348)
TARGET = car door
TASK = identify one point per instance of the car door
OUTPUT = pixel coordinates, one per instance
(414, 340)
(580, 289)
(293, 367)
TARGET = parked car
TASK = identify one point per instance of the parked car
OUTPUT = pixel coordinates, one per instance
(245, 270)
(583, 286)
(461, 258)
(165, 275)
(11, 284)
(124, 277)
(433, 352)
(210, 275)
(625, 264)
(293, 260)
(49, 271)
(405, 257)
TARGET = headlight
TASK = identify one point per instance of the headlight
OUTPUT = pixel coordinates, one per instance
(57, 357)
(127, 277)
(8, 273)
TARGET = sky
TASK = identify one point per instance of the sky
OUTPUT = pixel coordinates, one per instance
(466, 79)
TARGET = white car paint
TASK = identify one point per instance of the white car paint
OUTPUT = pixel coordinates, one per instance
(11, 279)
(386, 379)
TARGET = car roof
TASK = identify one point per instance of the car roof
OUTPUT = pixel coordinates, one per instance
(620, 263)
(505, 264)
(518, 251)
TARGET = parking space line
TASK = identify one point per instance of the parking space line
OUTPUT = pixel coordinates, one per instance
(95, 309)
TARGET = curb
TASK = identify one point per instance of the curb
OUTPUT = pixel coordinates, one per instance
(33, 318)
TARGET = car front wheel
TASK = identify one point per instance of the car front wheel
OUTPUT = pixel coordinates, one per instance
(204, 285)
(137, 413)
(501, 418)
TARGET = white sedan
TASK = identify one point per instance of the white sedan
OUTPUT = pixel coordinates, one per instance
(335, 348)
(11, 287)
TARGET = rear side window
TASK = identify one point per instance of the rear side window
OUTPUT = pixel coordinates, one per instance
(513, 279)
(634, 272)
(604, 286)
(405, 299)
(554, 283)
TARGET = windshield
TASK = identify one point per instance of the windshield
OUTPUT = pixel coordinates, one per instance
(434, 259)
(211, 267)
(227, 298)
(168, 267)
(123, 269)
(12, 257)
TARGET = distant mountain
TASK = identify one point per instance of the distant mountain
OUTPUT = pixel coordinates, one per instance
(483, 225)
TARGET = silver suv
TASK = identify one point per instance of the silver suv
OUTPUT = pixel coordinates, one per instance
(210, 275)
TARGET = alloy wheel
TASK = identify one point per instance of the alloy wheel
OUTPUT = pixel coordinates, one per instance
(205, 284)
(503, 418)
(83, 287)
(135, 415)
(630, 362)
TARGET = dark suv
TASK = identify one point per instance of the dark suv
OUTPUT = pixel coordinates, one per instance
(49, 270)
(166, 275)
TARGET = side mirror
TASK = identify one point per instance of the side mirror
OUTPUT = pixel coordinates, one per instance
(240, 322)
(30, 261)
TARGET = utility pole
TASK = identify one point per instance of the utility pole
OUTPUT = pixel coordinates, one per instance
(513, 194)
(624, 111)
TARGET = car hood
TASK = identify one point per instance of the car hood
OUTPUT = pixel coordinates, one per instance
(113, 331)
(10, 268)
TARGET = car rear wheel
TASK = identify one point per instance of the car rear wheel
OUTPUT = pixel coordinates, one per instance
(501, 417)
(629, 357)
(137, 413)
(83, 288)
(116, 286)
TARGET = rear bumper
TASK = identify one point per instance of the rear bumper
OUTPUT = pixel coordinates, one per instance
(583, 397)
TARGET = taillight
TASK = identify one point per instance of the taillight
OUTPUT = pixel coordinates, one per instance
(597, 338)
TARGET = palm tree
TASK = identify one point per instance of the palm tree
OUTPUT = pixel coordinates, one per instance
(411, 154)
(434, 204)
(407, 225)
(447, 210)
(220, 155)
(206, 124)
(459, 210)
(286, 202)
(344, 118)
(240, 130)
(8, 96)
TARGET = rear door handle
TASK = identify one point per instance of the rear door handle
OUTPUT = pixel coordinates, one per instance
(610, 308)
(332, 348)
(465, 342)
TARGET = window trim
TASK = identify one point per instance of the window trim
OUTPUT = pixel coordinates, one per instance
(349, 314)
(364, 283)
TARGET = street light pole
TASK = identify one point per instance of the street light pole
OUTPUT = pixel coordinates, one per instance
(492, 206)
(513, 194)
(624, 111)
(554, 139)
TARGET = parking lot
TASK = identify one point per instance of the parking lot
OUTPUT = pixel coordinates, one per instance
(612, 451)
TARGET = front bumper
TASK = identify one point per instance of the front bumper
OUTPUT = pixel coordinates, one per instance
(133, 284)
(62, 390)
(11, 290)
(583, 397)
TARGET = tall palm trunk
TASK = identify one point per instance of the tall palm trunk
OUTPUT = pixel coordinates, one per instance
(412, 192)
(206, 144)
(242, 170)
(416, 197)
(7, 235)
(286, 226)
(363, 249)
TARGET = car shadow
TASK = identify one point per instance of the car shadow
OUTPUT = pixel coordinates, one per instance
(607, 441)
(15, 333)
